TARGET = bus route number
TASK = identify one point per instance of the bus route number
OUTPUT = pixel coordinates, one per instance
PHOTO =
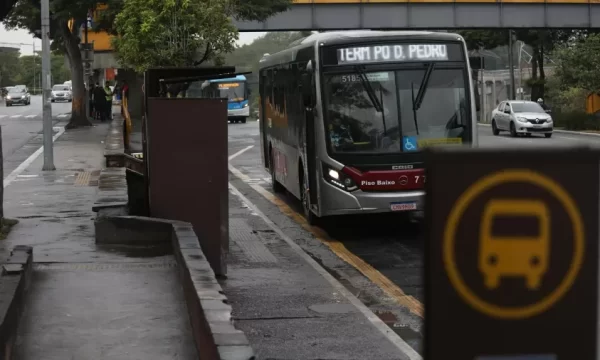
(420, 179)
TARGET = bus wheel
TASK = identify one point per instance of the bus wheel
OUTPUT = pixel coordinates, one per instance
(277, 188)
(243, 120)
(311, 218)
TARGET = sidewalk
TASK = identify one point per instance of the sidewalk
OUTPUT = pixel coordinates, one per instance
(291, 308)
(87, 301)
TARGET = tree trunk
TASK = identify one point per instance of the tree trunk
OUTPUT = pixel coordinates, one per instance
(542, 72)
(534, 75)
(78, 114)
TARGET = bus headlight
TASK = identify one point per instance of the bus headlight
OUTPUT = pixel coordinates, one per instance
(245, 105)
(339, 179)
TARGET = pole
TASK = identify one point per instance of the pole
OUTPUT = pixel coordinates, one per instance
(481, 100)
(511, 65)
(46, 83)
(34, 76)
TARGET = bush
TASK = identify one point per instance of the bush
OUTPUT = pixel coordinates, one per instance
(576, 120)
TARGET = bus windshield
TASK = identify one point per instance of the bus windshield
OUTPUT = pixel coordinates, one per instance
(356, 124)
(234, 91)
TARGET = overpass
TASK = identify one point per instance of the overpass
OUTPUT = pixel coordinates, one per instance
(431, 14)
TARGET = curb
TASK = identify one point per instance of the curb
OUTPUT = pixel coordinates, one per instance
(560, 131)
(15, 281)
(112, 192)
(215, 336)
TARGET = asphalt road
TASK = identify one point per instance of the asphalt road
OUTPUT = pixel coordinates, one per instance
(21, 128)
(387, 244)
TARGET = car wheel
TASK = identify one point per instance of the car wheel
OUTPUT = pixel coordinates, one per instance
(495, 130)
(548, 135)
(513, 130)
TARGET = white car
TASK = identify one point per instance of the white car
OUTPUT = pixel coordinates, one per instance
(61, 93)
(521, 117)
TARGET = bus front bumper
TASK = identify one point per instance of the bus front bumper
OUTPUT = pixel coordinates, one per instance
(335, 201)
(243, 112)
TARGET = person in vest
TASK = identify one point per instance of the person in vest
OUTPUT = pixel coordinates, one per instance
(108, 98)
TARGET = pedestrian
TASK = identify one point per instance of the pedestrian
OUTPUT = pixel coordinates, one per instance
(99, 100)
(108, 95)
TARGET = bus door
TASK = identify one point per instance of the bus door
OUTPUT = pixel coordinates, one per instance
(308, 97)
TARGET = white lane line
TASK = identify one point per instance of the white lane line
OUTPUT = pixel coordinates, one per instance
(15, 116)
(62, 115)
(25, 164)
(240, 152)
(374, 319)
(3, 116)
(30, 116)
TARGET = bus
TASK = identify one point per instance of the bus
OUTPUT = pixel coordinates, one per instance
(344, 115)
(236, 90)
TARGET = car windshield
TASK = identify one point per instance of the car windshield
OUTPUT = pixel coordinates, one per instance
(16, 91)
(60, 88)
(387, 117)
(523, 107)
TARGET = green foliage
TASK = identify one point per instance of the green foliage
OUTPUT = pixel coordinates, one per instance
(577, 64)
(9, 68)
(484, 39)
(172, 32)
(576, 121)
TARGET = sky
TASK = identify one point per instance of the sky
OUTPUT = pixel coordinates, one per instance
(22, 39)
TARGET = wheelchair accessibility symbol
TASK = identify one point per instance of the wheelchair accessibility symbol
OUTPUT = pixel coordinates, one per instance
(409, 143)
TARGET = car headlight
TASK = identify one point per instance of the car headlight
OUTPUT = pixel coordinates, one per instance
(549, 120)
(520, 119)
(339, 179)
(8, 97)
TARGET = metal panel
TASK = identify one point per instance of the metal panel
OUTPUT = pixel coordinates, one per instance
(187, 159)
(429, 15)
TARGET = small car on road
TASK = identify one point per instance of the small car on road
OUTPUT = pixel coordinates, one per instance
(18, 95)
(521, 117)
(61, 93)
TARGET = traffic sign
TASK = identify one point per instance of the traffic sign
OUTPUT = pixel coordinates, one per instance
(511, 259)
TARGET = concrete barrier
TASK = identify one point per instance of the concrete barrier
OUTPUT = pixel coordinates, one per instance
(214, 334)
(15, 281)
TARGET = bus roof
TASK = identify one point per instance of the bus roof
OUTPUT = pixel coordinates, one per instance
(237, 78)
(341, 37)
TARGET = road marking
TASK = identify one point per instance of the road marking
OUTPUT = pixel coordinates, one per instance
(15, 116)
(62, 115)
(3, 116)
(30, 116)
(240, 152)
(374, 319)
(25, 164)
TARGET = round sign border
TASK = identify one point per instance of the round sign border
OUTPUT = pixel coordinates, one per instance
(461, 205)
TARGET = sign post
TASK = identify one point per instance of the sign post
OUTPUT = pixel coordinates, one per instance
(511, 268)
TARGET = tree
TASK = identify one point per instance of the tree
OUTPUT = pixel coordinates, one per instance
(26, 15)
(578, 64)
(30, 72)
(183, 32)
(9, 67)
(5, 7)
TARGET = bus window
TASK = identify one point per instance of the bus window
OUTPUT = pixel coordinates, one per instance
(514, 254)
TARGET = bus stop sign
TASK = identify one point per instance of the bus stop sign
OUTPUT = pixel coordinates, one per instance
(511, 259)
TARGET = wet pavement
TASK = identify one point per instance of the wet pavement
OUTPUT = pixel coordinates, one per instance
(383, 262)
(88, 301)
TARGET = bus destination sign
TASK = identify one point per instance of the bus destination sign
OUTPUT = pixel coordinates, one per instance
(392, 53)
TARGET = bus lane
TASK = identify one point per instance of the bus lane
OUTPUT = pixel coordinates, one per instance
(378, 258)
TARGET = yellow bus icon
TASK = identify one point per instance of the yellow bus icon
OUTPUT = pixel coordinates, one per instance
(510, 256)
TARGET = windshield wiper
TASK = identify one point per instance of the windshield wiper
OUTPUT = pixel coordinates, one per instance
(370, 92)
(420, 94)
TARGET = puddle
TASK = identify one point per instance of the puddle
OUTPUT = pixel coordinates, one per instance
(138, 251)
